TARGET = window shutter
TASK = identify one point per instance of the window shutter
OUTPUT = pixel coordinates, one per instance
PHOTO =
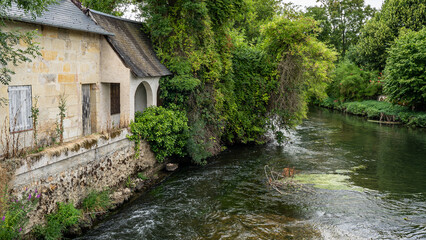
(20, 102)
(115, 98)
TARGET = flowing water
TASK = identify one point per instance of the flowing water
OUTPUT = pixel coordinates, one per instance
(383, 169)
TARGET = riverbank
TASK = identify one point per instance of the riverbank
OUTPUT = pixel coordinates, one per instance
(378, 110)
(117, 198)
(380, 169)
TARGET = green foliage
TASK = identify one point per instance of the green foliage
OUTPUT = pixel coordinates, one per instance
(129, 183)
(225, 81)
(96, 201)
(255, 13)
(252, 87)
(319, 13)
(193, 40)
(340, 21)
(62, 106)
(406, 70)
(113, 7)
(353, 83)
(10, 54)
(176, 90)
(303, 66)
(378, 110)
(34, 7)
(379, 33)
(142, 176)
(166, 130)
(66, 216)
(197, 146)
(35, 112)
(14, 217)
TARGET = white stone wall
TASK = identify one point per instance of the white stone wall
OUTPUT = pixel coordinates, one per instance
(68, 173)
(151, 86)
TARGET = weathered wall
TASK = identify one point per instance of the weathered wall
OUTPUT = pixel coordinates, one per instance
(68, 59)
(114, 71)
(69, 172)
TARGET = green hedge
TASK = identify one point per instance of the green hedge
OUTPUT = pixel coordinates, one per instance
(375, 109)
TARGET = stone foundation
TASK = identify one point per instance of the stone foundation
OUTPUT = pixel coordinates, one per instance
(69, 172)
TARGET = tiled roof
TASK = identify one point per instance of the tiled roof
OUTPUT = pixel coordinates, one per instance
(64, 14)
(132, 45)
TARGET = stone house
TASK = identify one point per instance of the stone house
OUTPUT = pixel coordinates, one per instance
(104, 66)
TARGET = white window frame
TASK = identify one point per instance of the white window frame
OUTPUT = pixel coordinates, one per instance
(20, 103)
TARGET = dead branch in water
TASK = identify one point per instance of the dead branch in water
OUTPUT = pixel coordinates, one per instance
(283, 182)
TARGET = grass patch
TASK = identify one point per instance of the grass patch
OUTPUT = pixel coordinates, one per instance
(96, 201)
(142, 176)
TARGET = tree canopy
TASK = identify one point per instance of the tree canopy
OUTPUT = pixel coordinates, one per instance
(340, 21)
(406, 70)
(379, 33)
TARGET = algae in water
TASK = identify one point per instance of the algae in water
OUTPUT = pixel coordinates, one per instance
(327, 181)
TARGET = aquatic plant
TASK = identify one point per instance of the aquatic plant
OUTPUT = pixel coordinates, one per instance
(327, 181)
(288, 181)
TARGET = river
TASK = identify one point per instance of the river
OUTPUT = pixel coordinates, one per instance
(383, 170)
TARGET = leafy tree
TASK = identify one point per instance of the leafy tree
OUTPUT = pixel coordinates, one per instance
(254, 14)
(406, 70)
(11, 52)
(353, 83)
(113, 7)
(341, 21)
(229, 76)
(193, 39)
(380, 32)
(320, 15)
(303, 66)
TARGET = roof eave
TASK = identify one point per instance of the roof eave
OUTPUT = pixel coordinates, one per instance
(106, 33)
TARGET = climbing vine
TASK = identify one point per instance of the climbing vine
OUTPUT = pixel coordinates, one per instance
(230, 78)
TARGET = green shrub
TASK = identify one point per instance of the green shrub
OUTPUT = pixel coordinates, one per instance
(166, 130)
(329, 103)
(66, 216)
(129, 183)
(406, 70)
(351, 82)
(176, 89)
(251, 90)
(14, 217)
(376, 110)
(96, 201)
(142, 176)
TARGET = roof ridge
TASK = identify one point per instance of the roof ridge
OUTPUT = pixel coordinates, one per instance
(112, 16)
(65, 15)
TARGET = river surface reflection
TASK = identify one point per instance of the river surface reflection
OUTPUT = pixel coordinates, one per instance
(230, 198)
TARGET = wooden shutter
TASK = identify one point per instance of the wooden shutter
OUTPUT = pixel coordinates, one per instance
(115, 98)
(20, 102)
